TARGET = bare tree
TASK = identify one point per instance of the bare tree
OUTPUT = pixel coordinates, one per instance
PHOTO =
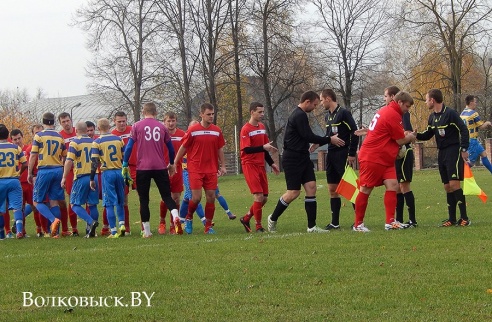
(122, 39)
(448, 31)
(351, 41)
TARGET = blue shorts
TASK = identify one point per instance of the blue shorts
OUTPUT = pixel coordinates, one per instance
(82, 192)
(474, 150)
(113, 188)
(10, 189)
(48, 183)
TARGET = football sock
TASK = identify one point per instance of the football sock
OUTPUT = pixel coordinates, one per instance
(94, 212)
(279, 209)
(120, 212)
(191, 209)
(486, 163)
(64, 217)
(390, 205)
(163, 211)
(183, 210)
(6, 224)
(45, 211)
(27, 210)
(360, 208)
(111, 218)
(105, 218)
(400, 204)
(410, 201)
(451, 206)
(200, 212)
(209, 212)
(223, 204)
(336, 205)
(146, 228)
(2, 230)
(310, 205)
(174, 214)
(460, 200)
(82, 213)
(73, 218)
(127, 217)
(257, 213)
(19, 224)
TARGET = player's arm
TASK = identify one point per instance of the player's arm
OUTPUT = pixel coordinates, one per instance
(23, 167)
(354, 139)
(464, 135)
(223, 169)
(428, 133)
(128, 151)
(170, 150)
(66, 170)
(32, 161)
(180, 154)
(306, 133)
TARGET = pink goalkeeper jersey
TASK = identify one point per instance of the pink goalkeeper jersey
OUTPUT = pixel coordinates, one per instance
(151, 136)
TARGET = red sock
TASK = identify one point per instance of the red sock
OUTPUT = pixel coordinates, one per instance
(209, 212)
(64, 217)
(163, 211)
(73, 218)
(127, 218)
(24, 225)
(390, 205)
(6, 224)
(257, 213)
(37, 220)
(360, 208)
(44, 224)
(191, 210)
(105, 218)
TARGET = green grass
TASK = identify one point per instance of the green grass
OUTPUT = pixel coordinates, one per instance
(423, 274)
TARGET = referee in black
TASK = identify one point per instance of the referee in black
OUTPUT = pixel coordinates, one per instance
(339, 121)
(452, 141)
(298, 168)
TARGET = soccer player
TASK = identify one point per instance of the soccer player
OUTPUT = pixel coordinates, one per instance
(48, 148)
(255, 147)
(452, 140)
(339, 121)
(91, 130)
(107, 151)
(299, 170)
(176, 181)
(123, 130)
(377, 157)
(151, 136)
(10, 187)
(404, 169)
(473, 121)
(79, 157)
(203, 144)
(68, 134)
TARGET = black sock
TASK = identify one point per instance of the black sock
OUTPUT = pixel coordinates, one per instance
(460, 200)
(400, 203)
(410, 201)
(279, 209)
(336, 204)
(311, 206)
(451, 206)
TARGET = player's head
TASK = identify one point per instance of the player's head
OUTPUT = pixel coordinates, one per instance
(48, 119)
(433, 97)
(65, 121)
(257, 111)
(4, 133)
(170, 120)
(309, 101)
(91, 128)
(120, 120)
(17, 137)
(207, 113)
(149, 109)
(404, 100)
(103, 125)
(36, 128)
(81, 128)
(471, 101)
(389, 93)
(193, 122)
(328, 98)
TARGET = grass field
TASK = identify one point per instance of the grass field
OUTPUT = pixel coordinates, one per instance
(422, 274)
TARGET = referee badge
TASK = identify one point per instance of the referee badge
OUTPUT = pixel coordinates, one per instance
(442, 132)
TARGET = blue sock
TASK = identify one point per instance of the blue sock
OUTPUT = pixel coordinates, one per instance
(223, 204)
(45, 212)
(120, 211)
(486, 163)
(111, 217)
(56, 211)
(27, 210)
(199, 211)
(18, 216)
(94, 212)
(183, 209)
(82, 213)
(2, 231)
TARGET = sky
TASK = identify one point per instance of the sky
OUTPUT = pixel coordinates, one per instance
(39, 48)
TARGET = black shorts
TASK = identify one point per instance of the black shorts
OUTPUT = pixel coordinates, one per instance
(451, 165)
(404, 166)
(336, 160)
(298, 169)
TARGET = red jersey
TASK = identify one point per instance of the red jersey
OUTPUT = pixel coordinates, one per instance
(125, 136)
(386, 127)
(202, 148)
(68, 137)
(176, 139)
(253, 136)
(27, 152)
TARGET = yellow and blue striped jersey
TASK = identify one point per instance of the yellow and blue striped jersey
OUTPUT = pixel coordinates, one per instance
(472, 120)
(79, 151)
(108, 148)
(11, 156)
(50, 148)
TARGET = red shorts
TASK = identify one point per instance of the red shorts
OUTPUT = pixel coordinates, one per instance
(373, 174)
(255, 176)
(26, 193)
(176, 182)
(207, 181)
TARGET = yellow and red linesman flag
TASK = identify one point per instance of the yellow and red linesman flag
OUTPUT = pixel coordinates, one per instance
(349, 185)
(470, 186)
